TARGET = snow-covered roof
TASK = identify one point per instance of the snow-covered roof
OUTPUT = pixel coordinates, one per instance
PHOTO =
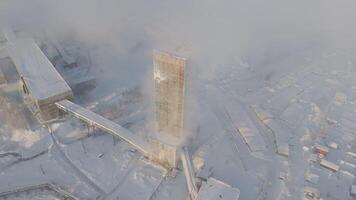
(41, 78)
(214, 189)
(322, 148)
(312, 178)
(353, 190)
(283, 149)
(329, 165)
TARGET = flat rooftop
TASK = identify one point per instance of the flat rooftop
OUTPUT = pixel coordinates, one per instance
(40, 76)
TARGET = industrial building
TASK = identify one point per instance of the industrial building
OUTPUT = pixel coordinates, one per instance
(322, 150)
(42, 85)
(329, 165)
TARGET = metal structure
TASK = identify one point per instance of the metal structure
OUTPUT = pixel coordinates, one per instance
(169, 71)
(98, 121)
(211, 189)
(189, 174)
(41, 83)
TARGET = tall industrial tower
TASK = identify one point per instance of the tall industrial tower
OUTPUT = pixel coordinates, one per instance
(169, 71)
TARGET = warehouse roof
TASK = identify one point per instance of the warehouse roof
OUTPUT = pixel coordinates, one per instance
(41, 78)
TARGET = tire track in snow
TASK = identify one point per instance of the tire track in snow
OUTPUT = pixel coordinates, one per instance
(77, 171)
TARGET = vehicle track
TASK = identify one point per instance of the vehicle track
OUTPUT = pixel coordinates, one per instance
(73, 167)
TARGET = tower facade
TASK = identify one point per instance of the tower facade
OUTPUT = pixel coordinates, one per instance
(169, 72)
(169, 105)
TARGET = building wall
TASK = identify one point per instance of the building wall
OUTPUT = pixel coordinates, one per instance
(164, 153)
(169, 93)
(44, 110)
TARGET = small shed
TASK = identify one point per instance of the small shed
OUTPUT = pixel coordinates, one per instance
(283, 149)
(214, 189)
(41, 83)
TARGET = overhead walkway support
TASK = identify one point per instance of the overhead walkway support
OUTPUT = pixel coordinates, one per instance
(189, 173)
(109, 126)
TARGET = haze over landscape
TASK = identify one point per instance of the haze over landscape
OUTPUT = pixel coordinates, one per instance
(269, 99)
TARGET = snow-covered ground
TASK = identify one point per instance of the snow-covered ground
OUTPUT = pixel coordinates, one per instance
(252, 120)
(239, 124)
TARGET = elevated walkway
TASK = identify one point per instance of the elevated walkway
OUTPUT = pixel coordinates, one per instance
(104, 124)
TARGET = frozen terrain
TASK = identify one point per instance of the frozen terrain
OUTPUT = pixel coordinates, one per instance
(265, 84)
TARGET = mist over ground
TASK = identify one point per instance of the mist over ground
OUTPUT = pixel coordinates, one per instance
(215, 36)
(261, 77)
(209, 33)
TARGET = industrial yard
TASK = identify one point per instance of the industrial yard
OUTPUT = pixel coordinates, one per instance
(145, 112)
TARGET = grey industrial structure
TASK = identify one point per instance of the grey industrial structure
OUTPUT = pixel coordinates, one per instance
(41, 83)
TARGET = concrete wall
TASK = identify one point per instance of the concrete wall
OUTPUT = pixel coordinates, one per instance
(164, 153)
